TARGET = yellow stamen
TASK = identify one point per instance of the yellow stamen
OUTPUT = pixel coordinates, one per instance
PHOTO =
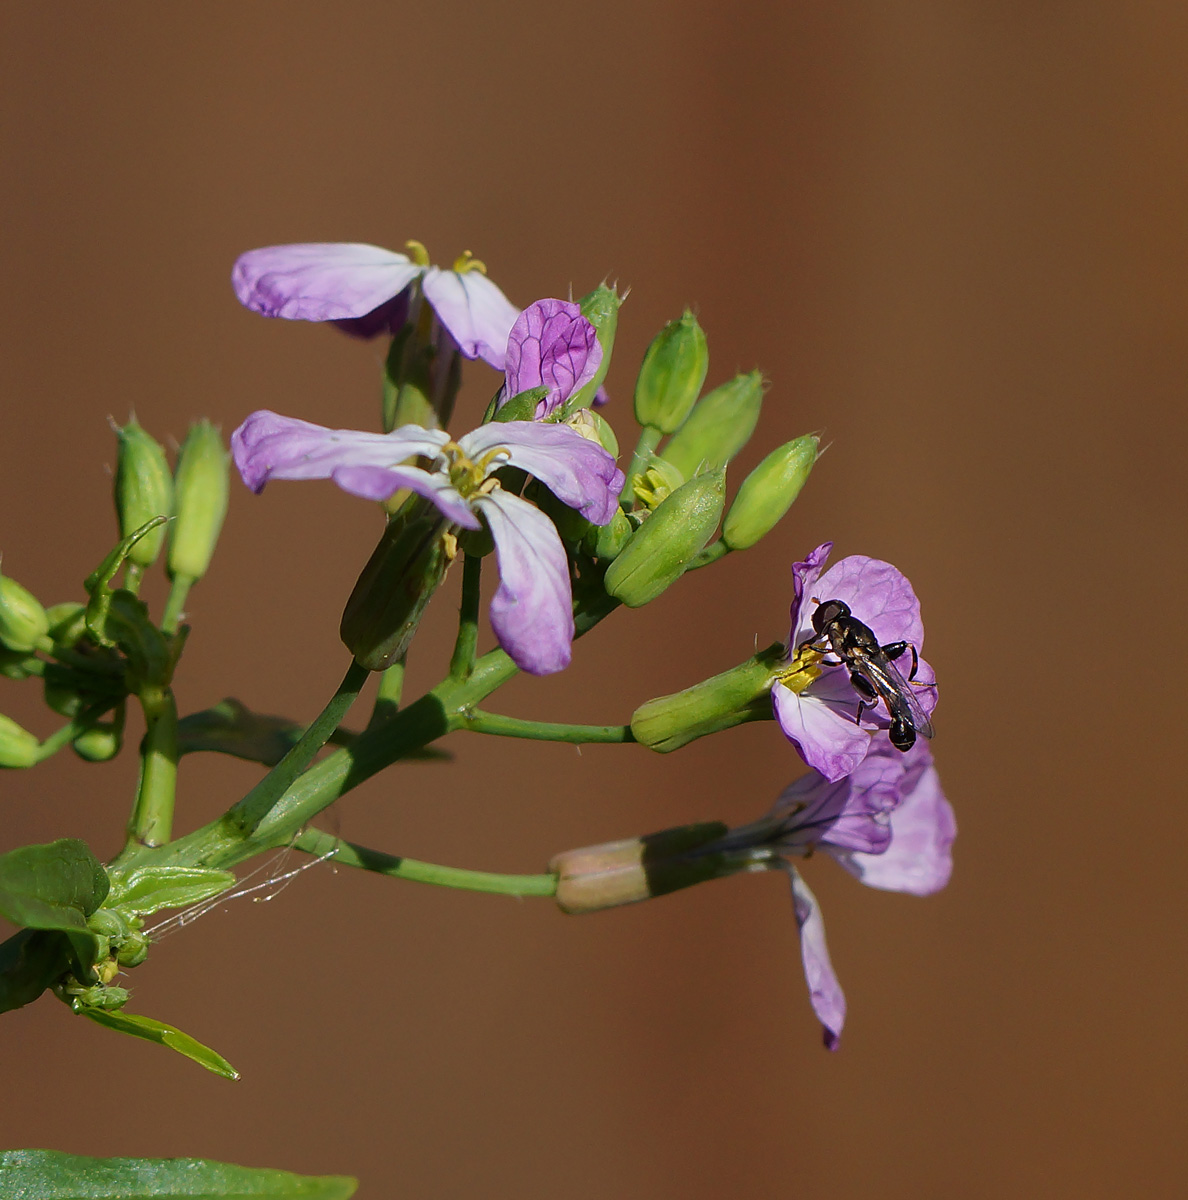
(417, 252)
(467, 262)
(802, 669)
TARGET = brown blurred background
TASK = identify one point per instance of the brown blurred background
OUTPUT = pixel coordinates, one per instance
(953, 235)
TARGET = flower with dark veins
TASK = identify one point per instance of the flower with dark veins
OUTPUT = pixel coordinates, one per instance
(815, 703)
(366, 290)
(532, 610)
(551, 345)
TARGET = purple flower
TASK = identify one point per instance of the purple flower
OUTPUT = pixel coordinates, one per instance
(815, 703)
(887, 823)
(532, 610)
(366, 290)
(551, 345)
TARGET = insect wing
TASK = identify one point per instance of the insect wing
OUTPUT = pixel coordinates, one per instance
(885, 677)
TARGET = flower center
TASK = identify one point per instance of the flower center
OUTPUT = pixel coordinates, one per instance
(468, 476)
(801, 669)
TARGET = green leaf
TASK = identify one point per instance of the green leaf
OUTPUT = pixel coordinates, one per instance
(164, 1035)
(56, 886)
(522, 406)
(52, 1175)
(146, 890)
(29, 962)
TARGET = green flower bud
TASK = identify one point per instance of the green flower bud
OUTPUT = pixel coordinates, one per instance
(657, 483)
(100, 996)
(673, 371)
(719, 426)
(735, 696)
(133, 950)
(102, 742)
(601, 308)
(402, 574)
(606, 541)
(768, 491)
(595, 428)
(202, 484)
(23, 622)
(18, 747)
(661, 550)
(143, 490)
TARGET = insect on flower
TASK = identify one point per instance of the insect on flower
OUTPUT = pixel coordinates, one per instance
(872, 669)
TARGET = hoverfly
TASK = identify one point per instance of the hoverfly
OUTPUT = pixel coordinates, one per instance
(873, 673)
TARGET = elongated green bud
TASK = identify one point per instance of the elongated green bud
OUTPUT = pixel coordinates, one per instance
(735, 696)
(606, 541)
(601, 308)
(402, 574)
(673, 371)
(768, 491)
(18, 747)
(661, 550)
(719, 426)
(143, 490)
(202, 484)
(23, 622)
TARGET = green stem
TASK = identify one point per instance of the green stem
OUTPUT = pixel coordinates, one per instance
(710, 554)
(151, 822)
(324, 845)
(61, 738)
(176, 602)
(462, 662)
(649, 439)
(387, 698)
(478, 721)
(133, 574)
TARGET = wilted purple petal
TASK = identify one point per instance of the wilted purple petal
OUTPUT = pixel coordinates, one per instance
(551, 345)
(380, 483)
(532, 611)
(828, 1000)
(821, 725)
(577, 471)
(389, 319)
(320, 281)
(268, 446)
(477, 314)
(920, 857)
(804, 577)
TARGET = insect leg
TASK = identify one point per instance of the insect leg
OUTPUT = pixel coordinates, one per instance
(895, 649)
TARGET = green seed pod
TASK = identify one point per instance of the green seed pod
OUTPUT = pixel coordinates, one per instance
(18, 747)
(660, 551)
(719, 426)
(606, 542)
(143, 490)
(768, 491)
(673, 371)
(404, 571)
(103, 742)
(23, 622)
(601, 308)
(202, 484)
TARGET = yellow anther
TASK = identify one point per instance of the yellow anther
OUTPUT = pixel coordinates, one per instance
(802, 669)
(417, 252)
(467, 262)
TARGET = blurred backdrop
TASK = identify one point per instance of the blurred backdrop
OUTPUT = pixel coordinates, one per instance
(953, 236)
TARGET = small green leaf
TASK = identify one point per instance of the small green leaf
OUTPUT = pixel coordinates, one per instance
(52, 1175)
(146, 890)
(522, 406)
(29, 962)
(56, 886)
(164, 1035)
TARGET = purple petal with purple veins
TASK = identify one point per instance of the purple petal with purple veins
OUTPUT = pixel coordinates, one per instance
(820, 724)
(532, 610)
(477, 314)
(551, 345)
(828, 1000)
(919, 859)
(268, 446)
(380, 483)
(804, 577)
(320, 281)
(577, 471)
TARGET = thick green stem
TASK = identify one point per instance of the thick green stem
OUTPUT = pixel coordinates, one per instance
(151, 823)
(478, 721)
(176, 603)
(462, 661)
(387, 698)
(710, 554)
(649, 439)
(324, 845)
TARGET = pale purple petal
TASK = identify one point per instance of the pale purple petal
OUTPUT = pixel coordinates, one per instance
(477, 314)
(389, 318)
(320, 281)
(269, 446)
(379, 483)
(532, 611)
(828, 1000)
(821, 728)
(920, 857)
(551, 345)
(576, 470)
(878, 594)
(804, 576)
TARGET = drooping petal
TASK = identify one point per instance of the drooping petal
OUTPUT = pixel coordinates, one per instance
(532, 610)
(821, 727)
(804, 576)
(270, 446)
(379, 483)
(579, 472)
(878, 594)
(477, 314)
(551, 345)
(828, 1000)
(320, 281)
(389, 318)
(919, 859)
